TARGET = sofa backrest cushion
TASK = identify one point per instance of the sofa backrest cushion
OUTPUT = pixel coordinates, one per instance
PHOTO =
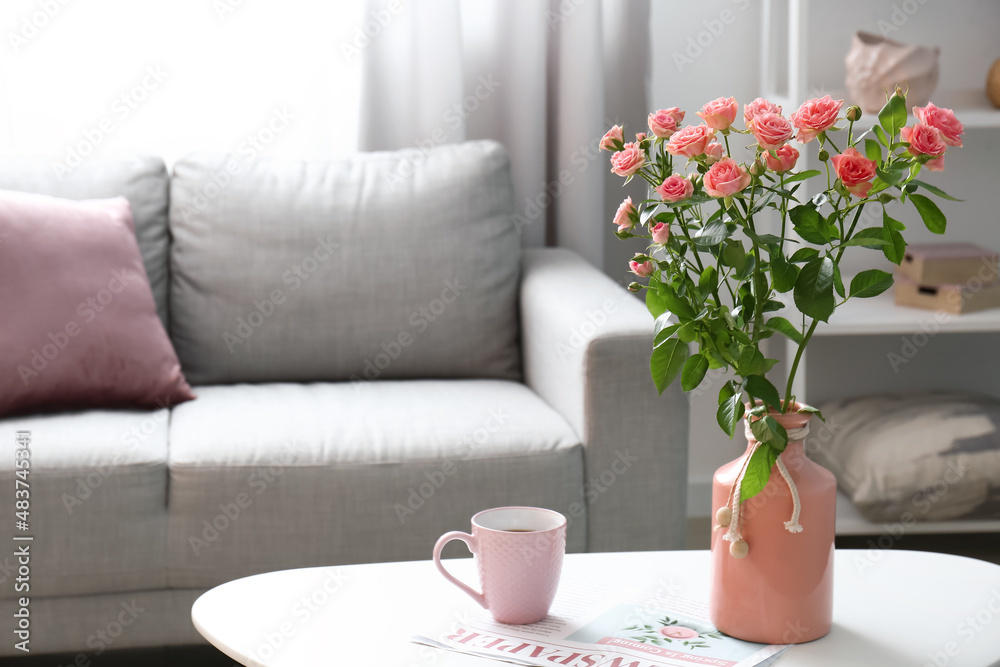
(140, 179)
(381, 265)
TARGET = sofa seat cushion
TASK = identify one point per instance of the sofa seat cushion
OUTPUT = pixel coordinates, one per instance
(98, 501)
(273, 476)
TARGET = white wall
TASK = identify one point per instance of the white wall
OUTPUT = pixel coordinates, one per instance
(708, 49)
(223, 68)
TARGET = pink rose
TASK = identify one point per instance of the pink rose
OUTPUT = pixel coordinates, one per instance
(855, 170)
(756, 108)
(787, 157)
(771, 131)
(690, 141)
(725, 178)
(661, 232)
(675, 188)
(941, 119)
(937, 164)
(639, 136)
(628, 160)
(609, 139)
(924, 140)
(626, 216)
(720, 113)
(664, 122)
(642, 269)
(815, 116)
(713, 153)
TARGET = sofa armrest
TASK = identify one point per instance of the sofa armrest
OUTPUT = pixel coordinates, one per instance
(586, 344)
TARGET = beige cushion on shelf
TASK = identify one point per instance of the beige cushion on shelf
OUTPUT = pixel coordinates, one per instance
(273, 476)
(913, 457)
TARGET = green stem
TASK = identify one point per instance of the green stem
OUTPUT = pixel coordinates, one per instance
(795, 364)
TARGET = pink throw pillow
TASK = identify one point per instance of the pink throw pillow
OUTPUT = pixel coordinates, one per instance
(80, 328)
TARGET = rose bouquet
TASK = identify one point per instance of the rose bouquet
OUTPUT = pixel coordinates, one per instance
(716, 276)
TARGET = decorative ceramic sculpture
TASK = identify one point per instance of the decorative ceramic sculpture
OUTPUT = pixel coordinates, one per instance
(876, 65)
(993, 84)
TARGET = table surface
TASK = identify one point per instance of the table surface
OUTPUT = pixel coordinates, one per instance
(891, 607)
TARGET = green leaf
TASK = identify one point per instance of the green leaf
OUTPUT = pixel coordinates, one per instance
(711, 234)
(934, 190)
(694, 371)
(654, 302)
(783, 273)
(930, 213)
(896, 247)
(892, 117)
(688, 332)
(809, 224)
(838, 282)
(893, 174)
(758, 471)
(814, 289)
(675, 304)
(803, 255)
(730, 412)
(767, 429)
(661, 334)
(870, 237)
(709, 279)
(759, 387)
(802, 175)
(870, 283)
(783, 326)
(667, 361)
(872, 150)
(810, 409)
(734, 255)
(882, 139)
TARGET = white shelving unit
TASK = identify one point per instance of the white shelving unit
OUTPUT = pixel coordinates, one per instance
(847, 344)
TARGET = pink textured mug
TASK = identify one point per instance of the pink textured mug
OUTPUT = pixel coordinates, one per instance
(519, 554)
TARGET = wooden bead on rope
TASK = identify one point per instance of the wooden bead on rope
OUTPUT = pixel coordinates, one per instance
(739, 549)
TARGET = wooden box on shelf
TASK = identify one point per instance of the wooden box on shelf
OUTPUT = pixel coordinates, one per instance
(949, 264)
(967, 297)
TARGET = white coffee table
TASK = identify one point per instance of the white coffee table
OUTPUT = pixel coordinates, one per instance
(892, 608)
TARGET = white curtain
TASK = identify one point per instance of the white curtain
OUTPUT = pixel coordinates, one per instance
(544, 77)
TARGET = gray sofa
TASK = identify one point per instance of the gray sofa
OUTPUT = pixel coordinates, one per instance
(375, 359)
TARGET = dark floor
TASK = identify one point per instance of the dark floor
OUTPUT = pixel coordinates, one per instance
(195, 656)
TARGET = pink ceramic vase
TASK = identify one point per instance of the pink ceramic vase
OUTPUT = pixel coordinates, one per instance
(781, 592)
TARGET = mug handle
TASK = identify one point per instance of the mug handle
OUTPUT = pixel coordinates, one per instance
(470, 542)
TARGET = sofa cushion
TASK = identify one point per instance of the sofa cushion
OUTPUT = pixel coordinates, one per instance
(87, 334)
(273, 476)
(142, 180)
(375, 266)
(98, 487)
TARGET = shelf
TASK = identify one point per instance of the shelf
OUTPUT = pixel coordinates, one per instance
(880, 315)
(850, 522)
(970, 105)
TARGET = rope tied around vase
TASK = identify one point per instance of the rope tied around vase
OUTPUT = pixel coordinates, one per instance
(730, 515)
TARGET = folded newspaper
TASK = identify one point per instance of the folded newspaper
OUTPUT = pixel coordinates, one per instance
(590, 626)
